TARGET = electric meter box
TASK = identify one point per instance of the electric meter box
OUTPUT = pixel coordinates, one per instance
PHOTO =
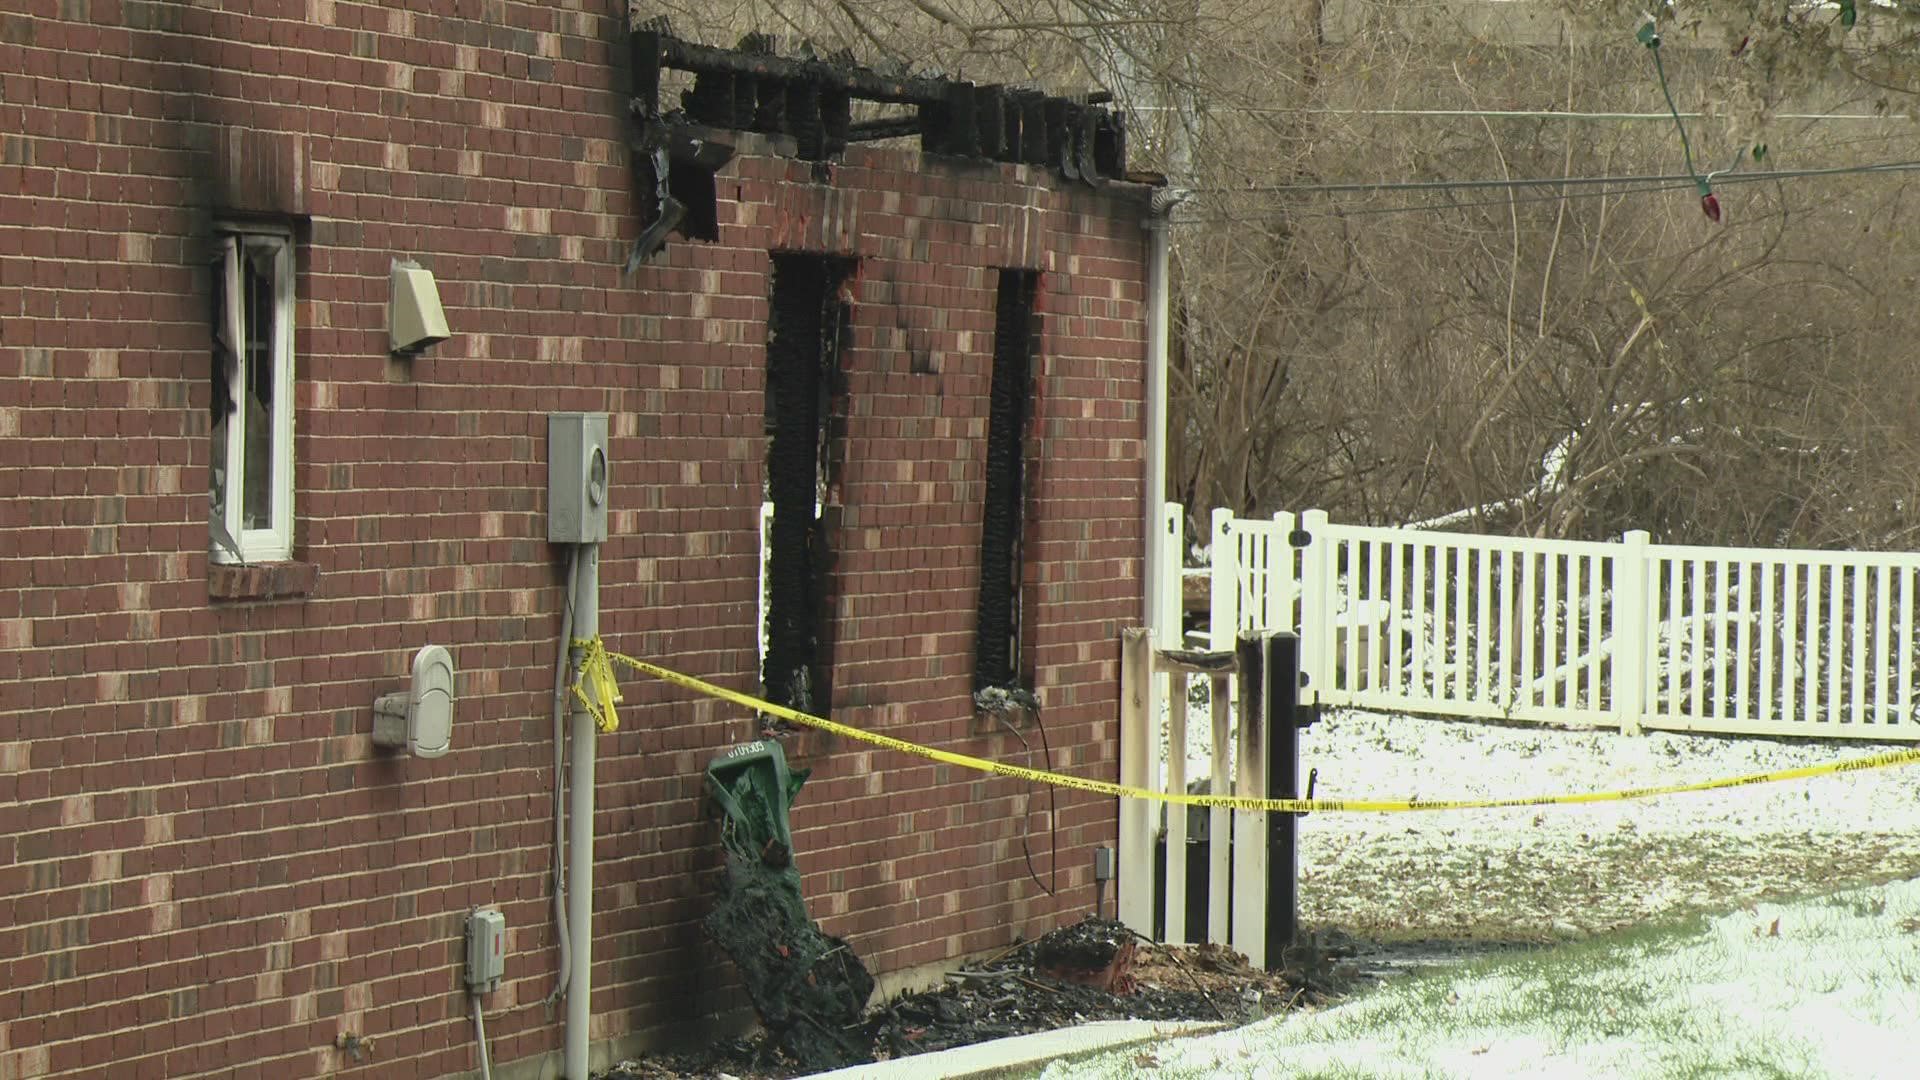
(486, 951)
(576, 478)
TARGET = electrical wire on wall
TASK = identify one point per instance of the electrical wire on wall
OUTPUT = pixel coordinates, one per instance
(561, 682)
(1053, 804)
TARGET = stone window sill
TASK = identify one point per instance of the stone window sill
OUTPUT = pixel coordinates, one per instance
(261, 581)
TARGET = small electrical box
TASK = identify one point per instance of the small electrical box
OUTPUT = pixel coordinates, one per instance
(576, 478)
(486, 951)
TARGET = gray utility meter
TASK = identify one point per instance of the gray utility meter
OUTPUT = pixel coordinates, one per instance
(576, 478)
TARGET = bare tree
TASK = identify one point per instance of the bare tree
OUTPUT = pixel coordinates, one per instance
(1569, 358)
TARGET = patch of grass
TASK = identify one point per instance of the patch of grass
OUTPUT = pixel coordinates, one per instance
(1651, 1001)
(1689, 997)
(1699, 1057)
(1582, 990)
(1344, 1071)
(1867, 905)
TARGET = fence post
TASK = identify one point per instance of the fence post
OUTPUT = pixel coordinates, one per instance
(1223, 628)
(1171, 821)
(1223, 614)
(1139, 768)
(1219, 818)
(1249, 916)
(1316, 604)
(1283, 588)
(1283, 782)
(1632, 631)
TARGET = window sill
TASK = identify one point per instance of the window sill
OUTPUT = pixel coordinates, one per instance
(261, 581)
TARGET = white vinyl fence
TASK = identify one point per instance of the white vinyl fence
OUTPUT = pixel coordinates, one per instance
(1630, 634)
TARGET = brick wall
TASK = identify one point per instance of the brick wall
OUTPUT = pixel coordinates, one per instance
(206, 867)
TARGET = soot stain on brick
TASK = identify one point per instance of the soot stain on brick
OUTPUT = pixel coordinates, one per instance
(219, 162)
(915, 340)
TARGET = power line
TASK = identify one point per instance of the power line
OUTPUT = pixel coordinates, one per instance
(1367, 211)
(1511, 114)
(1555, 181)
(1629, 186)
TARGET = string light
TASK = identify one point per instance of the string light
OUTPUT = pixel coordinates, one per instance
(1649, 35)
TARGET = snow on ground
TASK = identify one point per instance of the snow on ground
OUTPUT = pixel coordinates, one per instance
(1809, 965)
(1567, 870)
(1823, 988)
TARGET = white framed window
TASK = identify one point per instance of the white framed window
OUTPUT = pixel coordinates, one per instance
(252, 464)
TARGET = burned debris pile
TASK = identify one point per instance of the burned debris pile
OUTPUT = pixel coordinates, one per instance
(1095, 969)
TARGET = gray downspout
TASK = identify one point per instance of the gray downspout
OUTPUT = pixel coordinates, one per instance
(586, 625)
(1163, 201)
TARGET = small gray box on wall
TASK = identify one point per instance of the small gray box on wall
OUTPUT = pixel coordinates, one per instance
(577, 482)
(486, 951)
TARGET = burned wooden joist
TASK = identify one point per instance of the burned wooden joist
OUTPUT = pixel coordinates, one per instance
(811, 99)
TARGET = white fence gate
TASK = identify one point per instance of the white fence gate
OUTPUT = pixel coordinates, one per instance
(1629, 634)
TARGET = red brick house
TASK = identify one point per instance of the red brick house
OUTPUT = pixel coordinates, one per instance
(230, 515)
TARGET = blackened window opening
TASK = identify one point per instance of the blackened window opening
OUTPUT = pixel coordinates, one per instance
(693, 188)
(807, 322)
(997, 648)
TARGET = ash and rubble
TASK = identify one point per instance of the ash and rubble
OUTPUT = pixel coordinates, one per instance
(1095, 969)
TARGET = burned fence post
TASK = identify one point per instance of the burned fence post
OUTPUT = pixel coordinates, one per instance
(1247, 918)
(1139, 768)
(1283, 718)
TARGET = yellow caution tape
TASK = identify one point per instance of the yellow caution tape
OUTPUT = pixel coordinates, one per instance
(602, 690)
(1230, 802)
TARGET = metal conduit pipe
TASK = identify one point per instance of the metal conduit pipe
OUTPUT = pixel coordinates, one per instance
(561, 680)
(586, 624)
(480, 1033)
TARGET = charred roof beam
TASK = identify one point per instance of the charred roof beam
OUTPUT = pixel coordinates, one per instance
(810, 99)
